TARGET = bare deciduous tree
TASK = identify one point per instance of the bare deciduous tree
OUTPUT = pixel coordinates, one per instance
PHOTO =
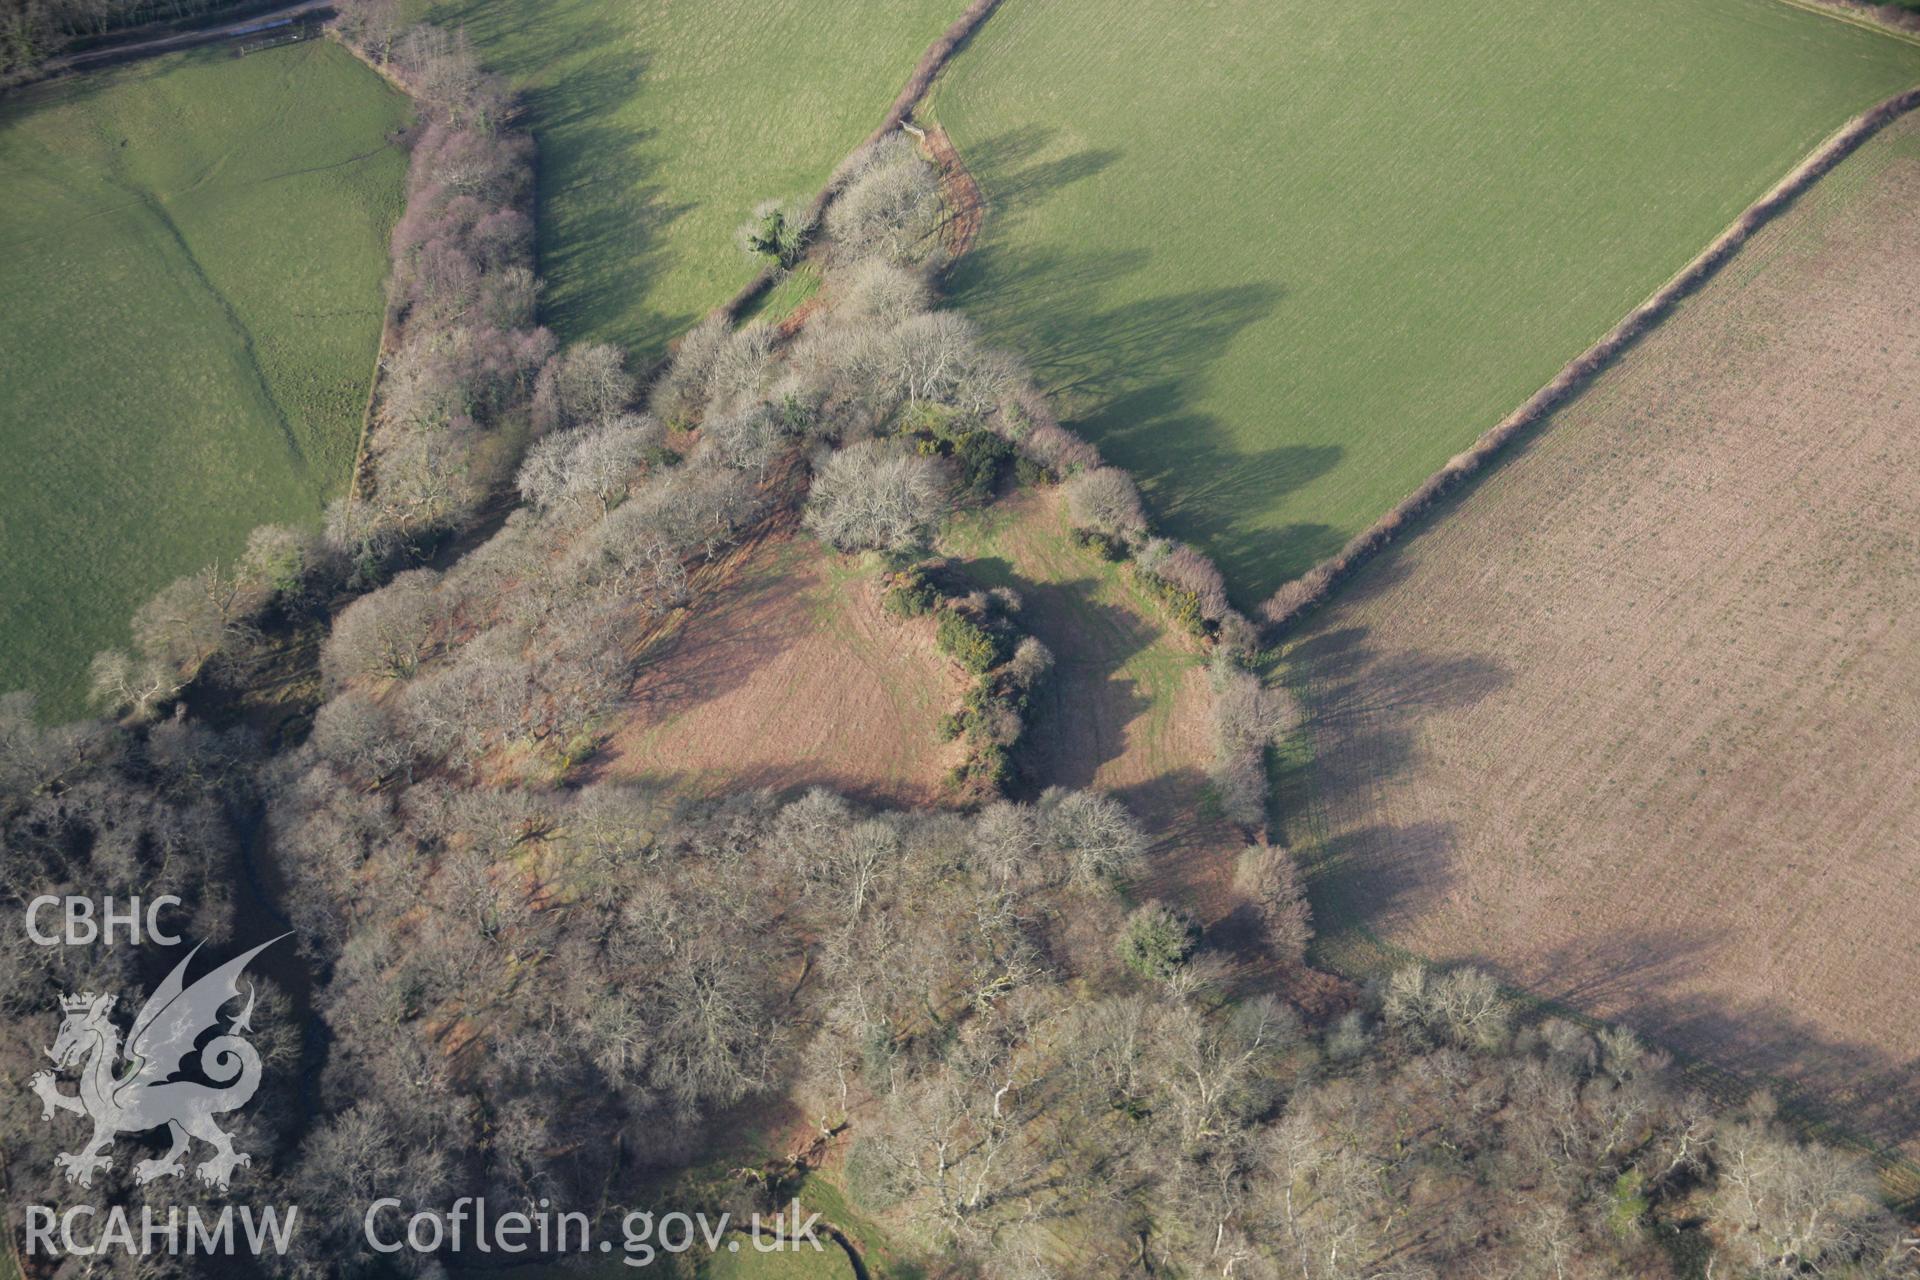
(583, 384)
(360, 737)
(1463, 1007)
(442, 69)
(137, 686)
(680, 394)
(739, 370)
(1095, 838)
(745, 440)
(386, 634)
(370, 25)
(937, 358)
(1266, 875)
(889, 207)
(190, 618)
(878, 292)
(1786, 1209)
(592, 467)
(1248, 717)
(1104, 500)
(876, 495)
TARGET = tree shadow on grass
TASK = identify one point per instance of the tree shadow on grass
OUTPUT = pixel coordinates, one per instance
(1055, 307)
(1079, 718)
(1386, 864)
(1127, 369)
(1369, 877)
(603, 203)
(1014, 180)
(1128, 374)
(1354, 683)
(721, 640)
(1862, 1091)
(603, 209)
(519, 49)
(1621, 972)
(1208, 489)
(1364, 709)
(599, 243)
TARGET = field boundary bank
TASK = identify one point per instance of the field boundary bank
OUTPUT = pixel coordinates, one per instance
(362, 461)
(1297, 598)
(249, 23)
(359, 479)
(254, 20)
(966, 202)
(1868, 17)
(931, 63)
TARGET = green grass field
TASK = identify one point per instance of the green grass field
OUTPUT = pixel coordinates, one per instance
(661, 126)
(803, 1264)
(1283, 258)
(191, 258)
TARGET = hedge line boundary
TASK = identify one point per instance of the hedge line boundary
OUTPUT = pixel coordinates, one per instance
(1297, 598)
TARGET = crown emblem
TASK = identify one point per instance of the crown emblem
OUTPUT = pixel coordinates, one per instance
(168, 1033)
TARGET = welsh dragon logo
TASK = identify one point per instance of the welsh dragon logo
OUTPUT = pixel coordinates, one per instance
(142, 1095)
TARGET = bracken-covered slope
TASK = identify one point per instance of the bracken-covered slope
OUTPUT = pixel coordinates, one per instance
(789, 674)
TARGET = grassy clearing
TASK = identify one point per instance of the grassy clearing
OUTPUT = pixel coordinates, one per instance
(880, 1251)
(1629, 721)
(1284, 259)
(1127, 705)
(785, 297)
(1114, 714)
(804, 1264)
(191, 258)
(789, 674)
(661, 125)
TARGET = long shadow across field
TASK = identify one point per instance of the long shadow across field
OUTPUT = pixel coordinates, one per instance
(1019, 182)
(1365, 710)
(602, 201)
(1366, 706)
(1080, 718)
(1760, 1042)
(1127, 375)
(602, 208)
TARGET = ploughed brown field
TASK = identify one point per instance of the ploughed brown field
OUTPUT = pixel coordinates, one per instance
(787, 673)
(1635, 723)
